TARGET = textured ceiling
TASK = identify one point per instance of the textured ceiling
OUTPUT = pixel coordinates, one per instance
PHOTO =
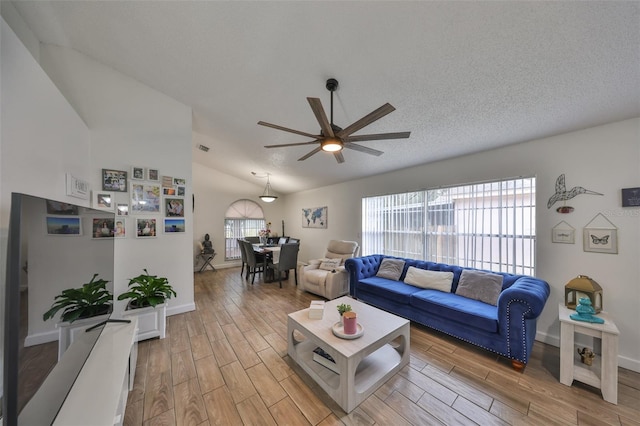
(463, 76)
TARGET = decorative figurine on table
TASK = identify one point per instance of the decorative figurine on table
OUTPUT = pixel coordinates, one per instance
(585, 312)
(586, 355)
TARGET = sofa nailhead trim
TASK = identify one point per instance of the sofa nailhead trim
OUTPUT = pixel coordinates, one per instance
(524, 346)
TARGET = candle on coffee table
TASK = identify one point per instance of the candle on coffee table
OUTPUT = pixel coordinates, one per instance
(350, 322)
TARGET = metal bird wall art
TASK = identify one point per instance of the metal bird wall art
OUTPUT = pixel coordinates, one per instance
(562, 194)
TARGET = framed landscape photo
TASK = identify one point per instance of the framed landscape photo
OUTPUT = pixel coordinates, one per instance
(103, 200)
(137, 173)
(114, 180)
(56, 207)
(64, 225)
(314, 217)
(172, 225)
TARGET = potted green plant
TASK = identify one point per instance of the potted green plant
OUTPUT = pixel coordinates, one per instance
(81, 308)
(147, 295)
(90, 300)
(342, 308)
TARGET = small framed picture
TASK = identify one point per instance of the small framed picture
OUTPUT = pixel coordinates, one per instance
(167, 181)
(172, 225)
(600, 240)
(179, 181)
(173, 207)
(56, 207)
(122, 209)
(103, 227)
(631, 197)
(181, 191)
(153, 175)
(563, 233)
(103, 200)
(137, 173)
(120, 230)
(114, 180)
(64, 225)
(168, 190)
(145, 228)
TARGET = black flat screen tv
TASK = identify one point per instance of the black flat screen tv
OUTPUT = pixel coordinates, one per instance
(51, 246)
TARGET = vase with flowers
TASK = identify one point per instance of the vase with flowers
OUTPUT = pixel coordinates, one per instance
(264, 234)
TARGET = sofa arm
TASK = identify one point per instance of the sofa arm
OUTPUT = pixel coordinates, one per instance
(361, 267)
(518, 308)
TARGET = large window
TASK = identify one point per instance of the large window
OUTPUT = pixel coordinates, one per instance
(487, 225)
(244, 218)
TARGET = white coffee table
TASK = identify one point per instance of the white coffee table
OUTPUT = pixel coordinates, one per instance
(364, 363)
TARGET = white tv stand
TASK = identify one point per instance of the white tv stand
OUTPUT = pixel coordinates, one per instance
(99, 394)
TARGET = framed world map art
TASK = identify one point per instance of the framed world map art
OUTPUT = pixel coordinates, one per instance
(314, 217)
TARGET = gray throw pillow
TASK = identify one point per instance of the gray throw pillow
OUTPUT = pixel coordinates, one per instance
(480, 285)
(390, 269)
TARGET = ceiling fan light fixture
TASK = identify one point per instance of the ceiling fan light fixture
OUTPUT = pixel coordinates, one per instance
(267, 196)
(332, 145)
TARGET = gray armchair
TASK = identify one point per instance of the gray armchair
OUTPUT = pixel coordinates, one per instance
(329, 281)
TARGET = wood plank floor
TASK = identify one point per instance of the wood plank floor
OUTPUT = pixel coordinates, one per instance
(226, 364)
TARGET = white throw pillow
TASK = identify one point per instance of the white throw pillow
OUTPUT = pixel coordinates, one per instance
(330, 264)
(424, 278)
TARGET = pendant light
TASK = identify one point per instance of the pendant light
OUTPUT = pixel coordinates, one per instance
(267, 196)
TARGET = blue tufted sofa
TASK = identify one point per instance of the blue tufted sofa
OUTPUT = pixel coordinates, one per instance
(508, 329)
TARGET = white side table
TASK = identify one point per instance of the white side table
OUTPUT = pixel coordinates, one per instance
(602, 375)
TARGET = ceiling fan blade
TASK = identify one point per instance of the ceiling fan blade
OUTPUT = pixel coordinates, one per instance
(286, 129)
(339, 157)
(378, 136)
(315, 151)
(321, 116)
(292, 144)
(366, 120)
(361, 148)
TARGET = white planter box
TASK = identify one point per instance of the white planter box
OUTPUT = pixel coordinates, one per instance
(69, 331)
(152, 322)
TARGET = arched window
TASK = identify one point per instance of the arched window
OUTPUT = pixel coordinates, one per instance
(244, 218)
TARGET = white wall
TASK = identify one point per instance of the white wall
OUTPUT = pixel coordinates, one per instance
(603, 159)
(41, 138)
(214, 193)
(132, 124)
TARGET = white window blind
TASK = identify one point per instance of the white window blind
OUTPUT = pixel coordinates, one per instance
(488, 225)
(244, 218)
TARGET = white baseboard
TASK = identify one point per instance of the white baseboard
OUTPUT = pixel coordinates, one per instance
(40, 338)
(181, 309)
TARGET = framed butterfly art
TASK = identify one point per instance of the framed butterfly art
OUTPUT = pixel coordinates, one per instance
(600, 235)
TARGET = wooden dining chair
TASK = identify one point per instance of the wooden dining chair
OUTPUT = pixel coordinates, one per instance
(243, 255)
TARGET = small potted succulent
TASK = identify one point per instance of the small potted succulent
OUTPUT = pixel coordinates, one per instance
(342, 308)
(81, 308)
(147, 295)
